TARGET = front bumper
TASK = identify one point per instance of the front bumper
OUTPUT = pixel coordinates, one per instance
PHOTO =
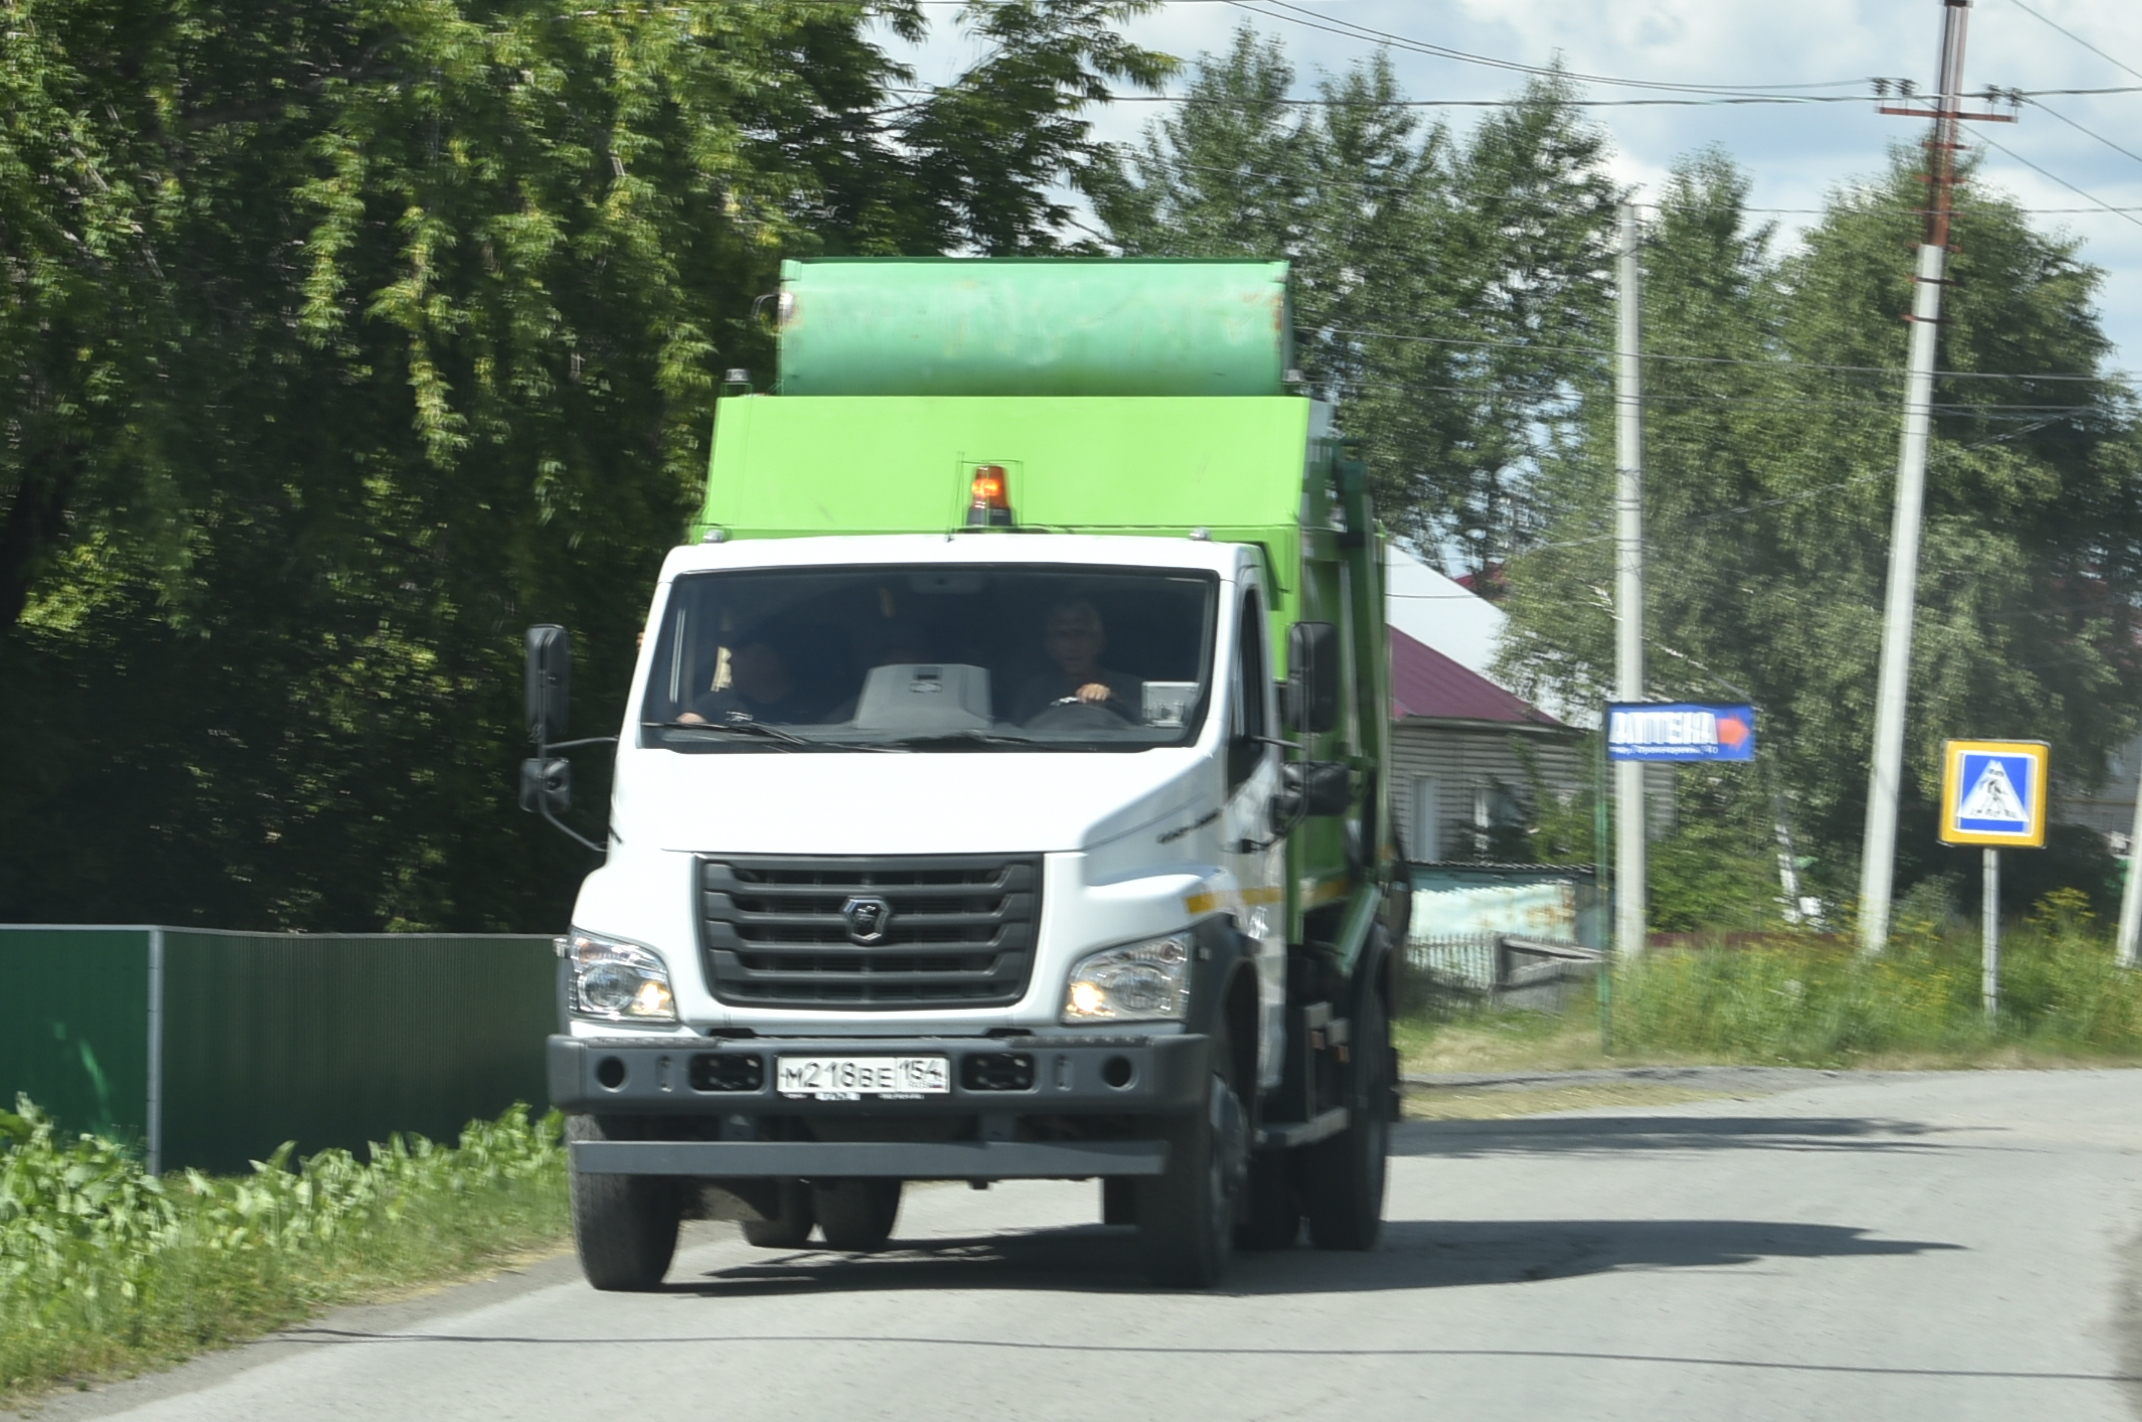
(853, 1160)
(671, 1076)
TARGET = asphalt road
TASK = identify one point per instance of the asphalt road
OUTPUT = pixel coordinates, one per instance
(1912, 1246)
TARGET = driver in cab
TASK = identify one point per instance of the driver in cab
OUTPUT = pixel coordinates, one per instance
(1073, 638)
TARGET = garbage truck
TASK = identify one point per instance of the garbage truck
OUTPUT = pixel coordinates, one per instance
(1001, 792)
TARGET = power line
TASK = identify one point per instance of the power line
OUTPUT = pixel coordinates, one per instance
(2044, 20)
(1992, 143)
(1194, 100)
(2041, 105)
(1207, 100)
(1331, 24)
(1672, 551)
(1443, 184)
(1788, 362)
(1991, 411)
(2027, 211)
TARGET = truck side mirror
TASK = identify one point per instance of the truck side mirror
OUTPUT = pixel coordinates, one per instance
(546, 785)
(550, 682)
(1312, 701)
(1320, 787)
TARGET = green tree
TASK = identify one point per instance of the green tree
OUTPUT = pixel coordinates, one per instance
(1773, 401)
(1522, 269)
(1446, 288)
(346, 339)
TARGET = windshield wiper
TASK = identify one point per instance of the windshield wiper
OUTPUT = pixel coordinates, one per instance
(735, 728)
(781, 738)
(953, 740)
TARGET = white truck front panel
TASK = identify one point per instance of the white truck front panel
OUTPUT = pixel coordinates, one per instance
(1132, 845)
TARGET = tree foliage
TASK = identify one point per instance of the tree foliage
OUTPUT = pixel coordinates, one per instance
(342, 340)
(1446, 286)
(1773, 401)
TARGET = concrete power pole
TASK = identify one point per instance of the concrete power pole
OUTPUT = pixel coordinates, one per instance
(1629, 817)
(1885, 776)
(2131, 896)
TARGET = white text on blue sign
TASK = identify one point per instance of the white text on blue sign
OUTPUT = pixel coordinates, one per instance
(1680, 731)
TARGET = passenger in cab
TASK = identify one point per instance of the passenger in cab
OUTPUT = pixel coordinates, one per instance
(764, 684)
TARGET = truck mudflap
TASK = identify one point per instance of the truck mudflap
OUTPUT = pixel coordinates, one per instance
(850, 1160)
(994, 1077)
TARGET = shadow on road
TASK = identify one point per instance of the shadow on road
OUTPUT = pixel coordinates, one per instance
(342, 1337)
(1415, 1254)
(1622, 1134)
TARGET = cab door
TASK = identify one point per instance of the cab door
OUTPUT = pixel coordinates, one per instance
(1255, 853)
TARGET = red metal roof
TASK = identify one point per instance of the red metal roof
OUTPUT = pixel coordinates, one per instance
(1425, 683)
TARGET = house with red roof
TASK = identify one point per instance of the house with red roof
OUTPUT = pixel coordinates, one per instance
(1470, 758)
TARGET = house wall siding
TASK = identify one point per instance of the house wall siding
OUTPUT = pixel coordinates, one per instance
(2109, 807)
(1461, 761)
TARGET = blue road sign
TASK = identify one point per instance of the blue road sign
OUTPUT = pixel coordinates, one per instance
(1679, 730)
(1993, 793)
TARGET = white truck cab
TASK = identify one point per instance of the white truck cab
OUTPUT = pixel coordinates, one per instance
(750, 859)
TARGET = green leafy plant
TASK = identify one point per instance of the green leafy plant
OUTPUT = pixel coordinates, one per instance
(106, 1268)
(1812, 1000)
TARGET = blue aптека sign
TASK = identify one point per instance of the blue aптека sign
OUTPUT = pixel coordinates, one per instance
(1679, 730)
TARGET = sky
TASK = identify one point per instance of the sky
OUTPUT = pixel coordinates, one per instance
(1794, 154)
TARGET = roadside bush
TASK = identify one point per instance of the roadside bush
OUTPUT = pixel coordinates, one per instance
(1815, 1001)
(105, 1268)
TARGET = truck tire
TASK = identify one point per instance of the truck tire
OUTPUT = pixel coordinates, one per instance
(1119, 1200)
(856, 1215)
(1271, 1217)
(791, 1228)
(1345, 1176)
(624, 1226)
(1186, 1216)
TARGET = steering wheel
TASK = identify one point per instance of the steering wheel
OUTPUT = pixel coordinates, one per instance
(1070, 712)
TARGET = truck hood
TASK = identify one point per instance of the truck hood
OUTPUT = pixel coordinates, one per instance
(971, 802)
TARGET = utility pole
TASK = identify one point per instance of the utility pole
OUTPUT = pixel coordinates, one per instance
(1885, 776)
(1629, 817)
(2131, 896)
(1989, 939)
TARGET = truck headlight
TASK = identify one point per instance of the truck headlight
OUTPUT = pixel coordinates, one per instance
(619, 981)
(1137, 982)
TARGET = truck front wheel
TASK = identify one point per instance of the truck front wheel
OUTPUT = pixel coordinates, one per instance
(624, 1226)
(1186, 1216)
(856, 1215)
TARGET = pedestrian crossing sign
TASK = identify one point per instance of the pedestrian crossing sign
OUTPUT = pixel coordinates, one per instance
(1993, 792)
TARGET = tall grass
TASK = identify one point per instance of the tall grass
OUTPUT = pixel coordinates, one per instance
(1816, 1002)
(106, 1269)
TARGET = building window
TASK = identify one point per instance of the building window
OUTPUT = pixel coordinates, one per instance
(1425, 835)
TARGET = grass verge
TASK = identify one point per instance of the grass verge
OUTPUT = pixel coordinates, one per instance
(1816, 1002)
(1501, 1041)
(106, 1271)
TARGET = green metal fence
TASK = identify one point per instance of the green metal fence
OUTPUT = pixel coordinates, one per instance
(211, 1048)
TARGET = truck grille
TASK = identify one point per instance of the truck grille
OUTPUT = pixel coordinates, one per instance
(857, 932)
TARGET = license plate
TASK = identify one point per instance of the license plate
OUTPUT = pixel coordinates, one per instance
(851, 1078)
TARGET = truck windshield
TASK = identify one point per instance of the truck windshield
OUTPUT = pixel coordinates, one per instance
(981, 658)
